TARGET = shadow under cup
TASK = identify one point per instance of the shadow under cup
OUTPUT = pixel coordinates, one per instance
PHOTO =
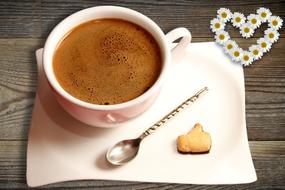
(104, 115)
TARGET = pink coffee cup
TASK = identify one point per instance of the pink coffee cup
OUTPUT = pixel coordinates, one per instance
(109, 115)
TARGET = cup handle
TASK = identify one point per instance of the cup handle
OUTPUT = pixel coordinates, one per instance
(178, 51)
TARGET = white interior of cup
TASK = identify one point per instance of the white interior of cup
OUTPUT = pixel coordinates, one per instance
(88, 14)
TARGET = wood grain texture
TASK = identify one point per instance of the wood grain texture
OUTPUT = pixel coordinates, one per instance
(194, 15)
(25, 24)
(37, 18)
(268, 159)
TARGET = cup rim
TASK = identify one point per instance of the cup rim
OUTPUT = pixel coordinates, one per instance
(48, 68)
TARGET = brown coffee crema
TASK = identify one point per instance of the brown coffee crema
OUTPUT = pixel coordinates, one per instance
(107, 61)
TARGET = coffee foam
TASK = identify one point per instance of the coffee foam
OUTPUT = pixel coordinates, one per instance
(107, 61)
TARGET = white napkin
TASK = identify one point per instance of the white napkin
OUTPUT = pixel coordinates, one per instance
(61, 148)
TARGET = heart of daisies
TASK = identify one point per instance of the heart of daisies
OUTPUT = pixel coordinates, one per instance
(247, 27)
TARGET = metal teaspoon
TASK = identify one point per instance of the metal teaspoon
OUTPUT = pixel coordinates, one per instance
(126, 150)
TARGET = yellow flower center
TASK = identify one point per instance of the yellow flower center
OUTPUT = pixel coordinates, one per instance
(274, 22)
(229, 46)
(246, 57)
(255, 52)
(253, 21)
(224, 15)
(271, 35)
(246, 30)
(217, 25)
(263, 44)
(236, 53)
(222, 36)
(263, 15)
(237, 19)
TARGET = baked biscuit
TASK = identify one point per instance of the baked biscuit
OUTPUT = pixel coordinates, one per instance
(196, 141)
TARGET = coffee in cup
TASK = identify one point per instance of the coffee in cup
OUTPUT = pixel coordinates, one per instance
(107, 61)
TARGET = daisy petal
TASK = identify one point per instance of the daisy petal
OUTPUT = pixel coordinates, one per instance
(236, 54)
(246, 58)
(271, 35)
(275, 22)
(217, 25)
(264, 14)
(246, 30)
(256, 52)
(254, 20)
(229, 45)
(222, 36)
(224, 14)
(264, 44)
(238, 19)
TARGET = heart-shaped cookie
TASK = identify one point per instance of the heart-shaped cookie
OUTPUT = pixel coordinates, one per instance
(247, 27)
(196, 141)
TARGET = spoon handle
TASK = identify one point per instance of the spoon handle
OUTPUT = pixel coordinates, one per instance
(181, 107)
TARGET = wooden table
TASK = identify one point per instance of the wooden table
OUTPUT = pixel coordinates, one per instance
(24, 26)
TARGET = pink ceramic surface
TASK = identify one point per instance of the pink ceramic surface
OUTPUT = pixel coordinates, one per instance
(107, 115)
(60, 148)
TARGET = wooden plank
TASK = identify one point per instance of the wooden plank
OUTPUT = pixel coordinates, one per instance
(18, 70)
(18, 76)
(265, 100)
(20, 19)
(268, 156)
(168, 14)
(37, 18)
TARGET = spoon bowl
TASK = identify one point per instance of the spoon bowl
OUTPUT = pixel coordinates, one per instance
(123, 151)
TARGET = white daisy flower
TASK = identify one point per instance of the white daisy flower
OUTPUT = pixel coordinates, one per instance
(238, 19)
(256, 52)
(217, 25)
(275, 22)
(222, 36)
(264, 14)
(271, 35)
(224, 14)
(264, 44)
(246, 30)
(236, 54)
(254, 20)
(229, 45)
(246, 58)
